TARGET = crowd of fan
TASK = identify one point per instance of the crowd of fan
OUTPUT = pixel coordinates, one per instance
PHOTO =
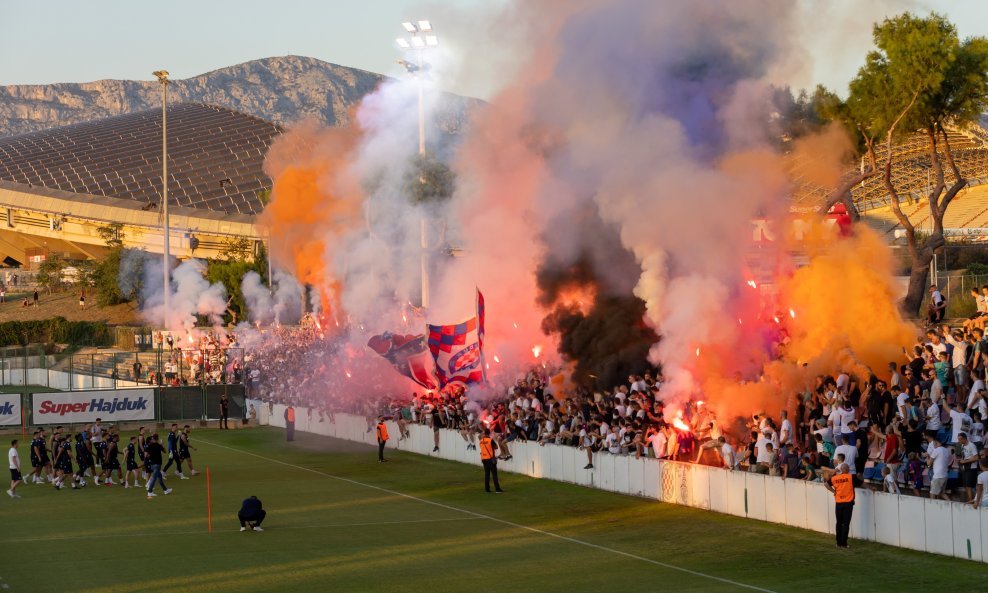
(916, 426)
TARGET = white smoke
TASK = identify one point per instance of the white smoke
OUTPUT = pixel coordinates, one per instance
(281, 305)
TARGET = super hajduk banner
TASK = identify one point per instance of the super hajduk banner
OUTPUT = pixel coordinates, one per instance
(10, 409)
(86, 406)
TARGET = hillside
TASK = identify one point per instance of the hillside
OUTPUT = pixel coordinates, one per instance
(66, 304)
(279, 89)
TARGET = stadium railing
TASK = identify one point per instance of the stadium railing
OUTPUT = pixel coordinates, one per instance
(940, 527)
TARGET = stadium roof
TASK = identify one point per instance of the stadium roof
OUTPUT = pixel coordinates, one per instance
(215, 158)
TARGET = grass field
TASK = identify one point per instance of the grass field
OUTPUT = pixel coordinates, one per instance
(340, 521)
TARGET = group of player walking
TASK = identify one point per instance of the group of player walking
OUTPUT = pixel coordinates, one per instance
(97, 447)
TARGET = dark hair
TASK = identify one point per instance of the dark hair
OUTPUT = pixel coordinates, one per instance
(13, 443)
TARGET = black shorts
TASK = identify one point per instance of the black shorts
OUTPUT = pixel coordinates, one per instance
(65, 467)
(112, 464)
(35, 462)
(15, 475)
(131, 466)
(183, 455)
(82, 468)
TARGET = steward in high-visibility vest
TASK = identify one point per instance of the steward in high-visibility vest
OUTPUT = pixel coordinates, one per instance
(290, 423)
(488, 448)
(382, 438)
(842, 485)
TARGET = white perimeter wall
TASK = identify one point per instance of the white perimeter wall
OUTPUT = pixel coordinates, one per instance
(948, 528)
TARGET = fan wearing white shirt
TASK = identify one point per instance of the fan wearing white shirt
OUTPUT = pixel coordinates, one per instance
(14, 461)
(785, 432)
(728, 455)
(959, 422)
(938, 458)
(981, 491)
(849, 452)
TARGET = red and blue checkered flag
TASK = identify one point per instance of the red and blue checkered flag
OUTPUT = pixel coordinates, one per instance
(458, 349)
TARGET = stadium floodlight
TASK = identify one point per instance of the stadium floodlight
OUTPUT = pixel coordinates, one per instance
(419, 42)
(162, 76)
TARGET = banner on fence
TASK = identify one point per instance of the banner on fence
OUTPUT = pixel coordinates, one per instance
(10, 409)
(86, 406)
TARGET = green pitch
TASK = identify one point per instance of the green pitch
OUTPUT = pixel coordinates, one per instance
(340, 521)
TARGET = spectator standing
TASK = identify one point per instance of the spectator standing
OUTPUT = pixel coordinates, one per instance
(968, 460)
(981, 492)
(290, 423)
(14, 461)
(938, 458)
(842, 486)
(488, 448)
(224, 412)
(382, 438)
(35, 298)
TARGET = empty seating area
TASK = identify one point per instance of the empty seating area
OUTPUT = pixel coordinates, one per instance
(215, 158)
(912, 173)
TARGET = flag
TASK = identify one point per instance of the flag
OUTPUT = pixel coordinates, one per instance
(458, 349)
(408, 355)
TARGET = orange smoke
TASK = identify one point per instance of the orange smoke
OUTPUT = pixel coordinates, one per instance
(837, 313)
(315, 201)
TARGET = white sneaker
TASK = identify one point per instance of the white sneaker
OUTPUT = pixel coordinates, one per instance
(151, 495)
(243, 529)
(126, 485)
(195, 473)
(258, 528)
(10, 493)
(109, 483)
(168, 491)
(178, 473)
(183, 477)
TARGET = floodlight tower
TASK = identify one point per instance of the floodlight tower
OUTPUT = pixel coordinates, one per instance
(422, 37)
(162, 76)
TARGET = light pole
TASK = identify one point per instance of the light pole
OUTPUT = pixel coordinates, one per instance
(162, 76)
(422, 38)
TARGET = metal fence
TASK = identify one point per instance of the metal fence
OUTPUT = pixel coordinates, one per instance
(32, 366)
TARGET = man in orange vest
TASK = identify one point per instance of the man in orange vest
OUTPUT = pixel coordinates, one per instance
(842, 485)
(488, 448)
(382, 438)
(290, 423)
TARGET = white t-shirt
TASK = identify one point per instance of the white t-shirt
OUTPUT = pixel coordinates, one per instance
(785, 433)
(975, 388)
(983, 482)
(841, 418)
(976, 433)
(900, 404)
(933, 417)
(730, 458)
(891, 486)
(940, 457)
(613, 443)
(850, 456)
(761, 450)
(959, 422)
(658, 441)
(13, 459)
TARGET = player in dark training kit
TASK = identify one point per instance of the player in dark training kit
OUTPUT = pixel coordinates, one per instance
(62, 450)
(111, 462)
(83, 459)
(130, 462)
(40, 464)
(183, 450)
(173, 456)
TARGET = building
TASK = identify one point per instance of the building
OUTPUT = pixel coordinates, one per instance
(58, 187)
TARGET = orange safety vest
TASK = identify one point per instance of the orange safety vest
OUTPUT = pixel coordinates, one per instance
(843, 487)
(486, 448)
(382, 432)
(290, 414)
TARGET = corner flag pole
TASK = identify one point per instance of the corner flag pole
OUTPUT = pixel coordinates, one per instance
(209, 501)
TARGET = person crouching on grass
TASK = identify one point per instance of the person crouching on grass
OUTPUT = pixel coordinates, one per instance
(251, 514)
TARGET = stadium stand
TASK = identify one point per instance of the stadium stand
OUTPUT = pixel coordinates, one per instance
(59, 186)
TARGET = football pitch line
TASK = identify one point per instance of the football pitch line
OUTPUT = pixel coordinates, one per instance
(495, 519)
(234, 530)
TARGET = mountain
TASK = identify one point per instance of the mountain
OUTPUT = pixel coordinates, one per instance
(279, 89)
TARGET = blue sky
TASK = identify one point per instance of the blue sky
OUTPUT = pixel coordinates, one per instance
(45, 41)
